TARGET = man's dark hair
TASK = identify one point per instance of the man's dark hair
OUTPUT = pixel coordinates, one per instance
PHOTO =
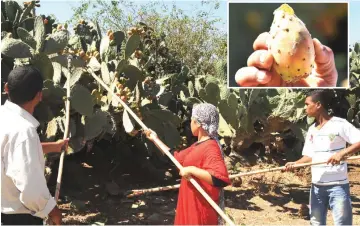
(325, 97)
(24, 83)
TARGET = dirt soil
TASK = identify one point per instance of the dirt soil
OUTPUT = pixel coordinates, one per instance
(94, 186)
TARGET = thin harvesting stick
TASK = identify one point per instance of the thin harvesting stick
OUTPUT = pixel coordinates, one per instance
(172, 158)
(133, 193)
(66, 133)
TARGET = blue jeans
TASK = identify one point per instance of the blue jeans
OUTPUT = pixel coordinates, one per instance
(335, 196)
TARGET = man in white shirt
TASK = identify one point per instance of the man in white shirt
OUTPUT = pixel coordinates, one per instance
(326, 140)
(25, 198)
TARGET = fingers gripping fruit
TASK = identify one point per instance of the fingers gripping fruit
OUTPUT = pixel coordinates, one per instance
(291, 45)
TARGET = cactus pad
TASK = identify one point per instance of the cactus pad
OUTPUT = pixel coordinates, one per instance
(119, 37)
(51, 130)
(131, 45)
(104, 47)
(56, 42)
(191, 88)
(11, 8)
(224, 129)
(105, 74)
(39, 30)
(15, 48)
(43, 63)
(26, 37)
(133, 74)
(75, 76)
(127, 123)
(94, 64)
(81, 100)
(95, 124)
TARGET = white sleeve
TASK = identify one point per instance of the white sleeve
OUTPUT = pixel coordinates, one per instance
(27, 173)
(308, 149)
(350, 133)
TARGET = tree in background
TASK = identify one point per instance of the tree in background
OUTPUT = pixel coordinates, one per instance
(194, 38)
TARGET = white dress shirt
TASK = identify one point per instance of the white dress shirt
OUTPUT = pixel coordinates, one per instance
(23, 184)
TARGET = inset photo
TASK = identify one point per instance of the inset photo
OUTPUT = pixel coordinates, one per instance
(300, 45)
(354, 47)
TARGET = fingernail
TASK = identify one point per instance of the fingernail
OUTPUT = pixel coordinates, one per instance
(262, 58)
(260, 75)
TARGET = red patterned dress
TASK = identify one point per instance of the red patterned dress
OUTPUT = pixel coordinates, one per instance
(192, 207)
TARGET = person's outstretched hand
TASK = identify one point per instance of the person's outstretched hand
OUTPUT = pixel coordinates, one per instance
(257, 73)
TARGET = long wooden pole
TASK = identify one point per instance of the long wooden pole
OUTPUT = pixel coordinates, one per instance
(66, 133)
(172, 158)
(48, 221)
(138, 192)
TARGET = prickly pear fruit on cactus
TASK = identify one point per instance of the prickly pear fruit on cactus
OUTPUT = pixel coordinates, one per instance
(291, 45)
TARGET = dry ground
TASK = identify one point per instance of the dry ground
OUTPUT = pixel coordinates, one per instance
(273, 198)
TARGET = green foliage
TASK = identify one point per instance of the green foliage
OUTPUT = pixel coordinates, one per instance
(15, 48)
(81, 100)
(195, 38)
(43, 63)
(355, 65)
(39, 33)
(26, 37)
(95, 124)
(158, 76)
(56, 42)
(290, 106)
(131, 45)
(51, 130)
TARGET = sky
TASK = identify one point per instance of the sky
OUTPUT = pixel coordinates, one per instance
(354, 21)
(63, 9)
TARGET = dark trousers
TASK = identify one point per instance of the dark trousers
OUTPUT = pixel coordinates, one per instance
(20, 219)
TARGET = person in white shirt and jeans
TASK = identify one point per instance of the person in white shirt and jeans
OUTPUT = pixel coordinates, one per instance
(25, 197)
(326, 140)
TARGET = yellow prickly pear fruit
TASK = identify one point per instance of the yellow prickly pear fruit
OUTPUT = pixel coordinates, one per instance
(138, 54)
(133, 29)
(119, 85)
(291, 45)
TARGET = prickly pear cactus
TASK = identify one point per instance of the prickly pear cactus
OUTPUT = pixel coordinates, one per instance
(291, 45)
(148, 77)
(353, 113)
(15, 48)
(355, 65)
(81, 100)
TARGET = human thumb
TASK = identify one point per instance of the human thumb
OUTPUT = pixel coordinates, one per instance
(325, 63)
(324, 56)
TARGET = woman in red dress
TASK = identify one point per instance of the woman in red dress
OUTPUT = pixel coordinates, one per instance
(204, 162)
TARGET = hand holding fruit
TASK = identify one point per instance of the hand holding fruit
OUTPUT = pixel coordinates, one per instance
(287, 56)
